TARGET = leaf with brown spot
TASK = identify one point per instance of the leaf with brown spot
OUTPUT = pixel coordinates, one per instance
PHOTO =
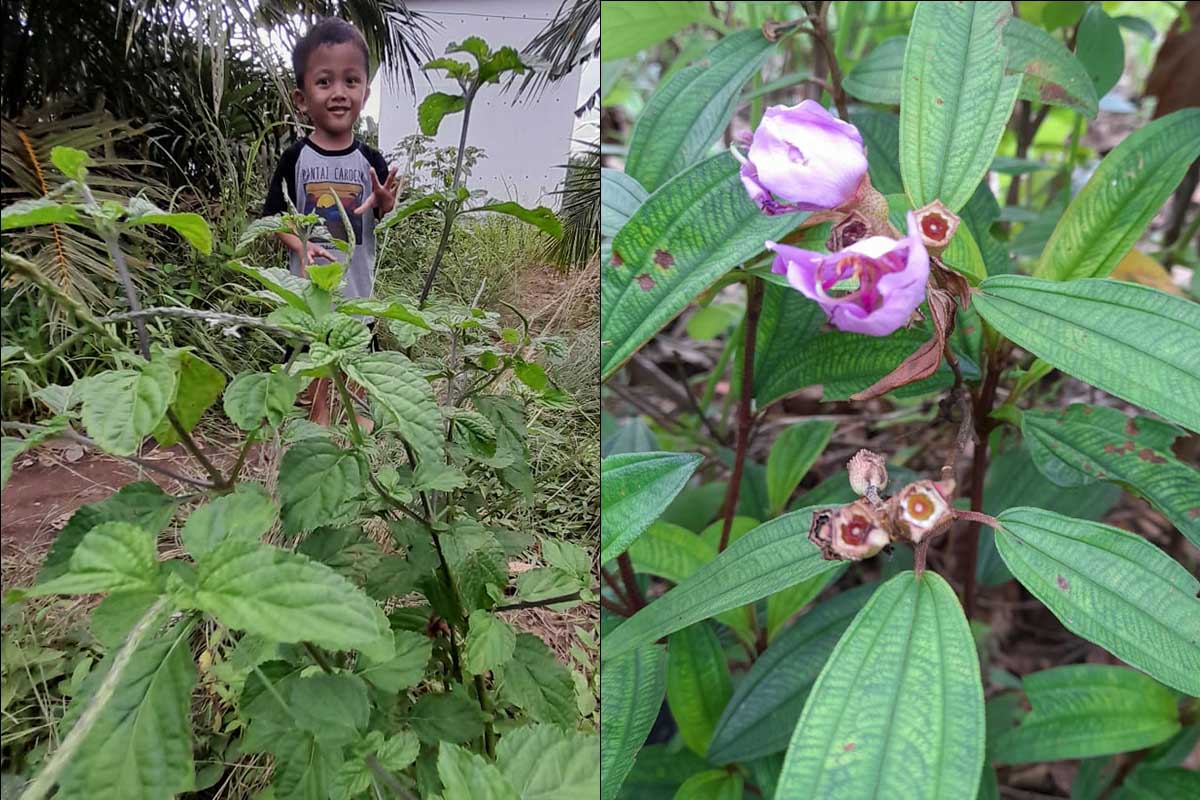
(927, 358)
(1082, 450)
(664, 259)
(645, 281)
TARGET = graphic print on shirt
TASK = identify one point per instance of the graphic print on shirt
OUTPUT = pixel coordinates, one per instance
(319, 200)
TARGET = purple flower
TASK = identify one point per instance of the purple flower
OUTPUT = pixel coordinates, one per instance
(805, 156)
(891, 280)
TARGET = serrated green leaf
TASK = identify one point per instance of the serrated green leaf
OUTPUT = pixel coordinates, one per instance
(477, 562)
(681, 239)
(634, 490)
(792, 455)
(1050, 73)
(454, 67)
(305, 768)
(140, 747)
(257, 396)
(399, 389)
(507, 415)
(245, 514)
(116, 615)
(761, 715)
(287, 597)
(542, 218)
(698, 683)
(403, 670)
(434, 107)
(536, 681)
(490, 642)
(123, 407)
(899, 704)
(506, 59)
(773, 556)
(387, 310)
(1088, 710)
(200, 384)
(1129, 187)
(632, 26)
(467, 776)
(688, 112)
(394, 754)
(543, 762)
(281, 283)
(142, 504)
(1129, 340)
(36, 211)
(70, 162)
(333, 708)
(1100, 48)
(446, 717)
(112, 557)
(401, 213)
(633, 688)
(191, 227)
(877, 78)
(1085, 443)
(956, 99)
(1110, 587)
(620, 197)
(317, 482)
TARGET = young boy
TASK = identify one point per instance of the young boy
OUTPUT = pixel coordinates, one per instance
(332, 73)
(332, 76)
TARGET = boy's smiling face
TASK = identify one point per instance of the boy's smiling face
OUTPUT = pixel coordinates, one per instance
(335, 88)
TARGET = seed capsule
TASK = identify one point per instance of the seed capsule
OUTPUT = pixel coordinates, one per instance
(850, 533)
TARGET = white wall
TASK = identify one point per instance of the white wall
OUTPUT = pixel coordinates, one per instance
(524, 143)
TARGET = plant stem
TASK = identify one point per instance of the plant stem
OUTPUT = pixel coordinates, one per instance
(344, 393)
(968, 548)
(616, 590)
(47, 778)
(634, 592)
(215, 317)
(745, 419)
(452, 210)
(549, 601)
(318, 657)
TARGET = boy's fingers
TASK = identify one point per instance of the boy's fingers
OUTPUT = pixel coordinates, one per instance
(369, 203)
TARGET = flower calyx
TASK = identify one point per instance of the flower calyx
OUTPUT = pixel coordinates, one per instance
(937, 225)
(850, 533)
(922, 510)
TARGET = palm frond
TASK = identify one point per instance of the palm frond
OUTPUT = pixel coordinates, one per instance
(560, 47)
(580, 210)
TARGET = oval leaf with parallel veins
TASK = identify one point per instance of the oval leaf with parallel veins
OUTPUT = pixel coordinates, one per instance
(1111, 587)
(898, 709)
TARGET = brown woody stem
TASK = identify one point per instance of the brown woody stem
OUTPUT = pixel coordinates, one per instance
(745, 419)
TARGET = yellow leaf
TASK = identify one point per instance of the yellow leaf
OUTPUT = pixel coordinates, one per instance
(1137, 267)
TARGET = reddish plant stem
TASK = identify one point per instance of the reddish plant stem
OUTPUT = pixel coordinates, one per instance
(619, 610)
(633, 592)
(968, 548)
(616, 587)
(745, 419)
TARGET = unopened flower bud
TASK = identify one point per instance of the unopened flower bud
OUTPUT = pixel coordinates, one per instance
(937, 225)
(921, 511)
(868, 474)
(849, 533)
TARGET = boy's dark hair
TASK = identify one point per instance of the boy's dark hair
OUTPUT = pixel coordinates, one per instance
(330, 30)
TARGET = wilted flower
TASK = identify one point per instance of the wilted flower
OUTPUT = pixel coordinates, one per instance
(849, 533)
(804, 156)
(921, 510)
(868, 474)
(871, 287)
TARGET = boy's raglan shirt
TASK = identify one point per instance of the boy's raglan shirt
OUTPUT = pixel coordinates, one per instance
(311, 175)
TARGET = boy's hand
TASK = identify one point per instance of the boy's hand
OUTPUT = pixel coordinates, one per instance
(315, 251)
(383, 197)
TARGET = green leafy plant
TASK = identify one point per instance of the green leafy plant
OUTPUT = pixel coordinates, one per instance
(359, 669)
(792, 662)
